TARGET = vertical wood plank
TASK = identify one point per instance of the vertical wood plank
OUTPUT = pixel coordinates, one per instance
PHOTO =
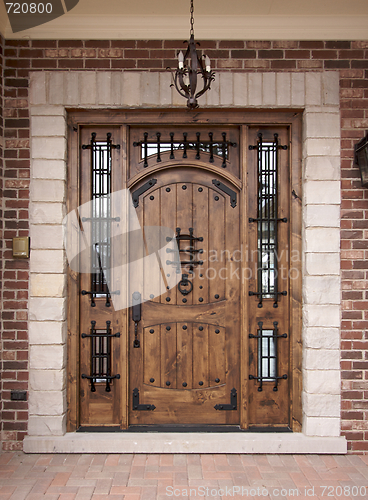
(200, 226)
(217, 249)
(168, 355)
(216, 356)
(168, 219)
(200, 357)
(184, 356)
(152, 361)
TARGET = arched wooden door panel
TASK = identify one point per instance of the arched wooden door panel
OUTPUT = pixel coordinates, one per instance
(188, 360)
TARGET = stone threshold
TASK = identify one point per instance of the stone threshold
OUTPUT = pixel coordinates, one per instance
(230, 442)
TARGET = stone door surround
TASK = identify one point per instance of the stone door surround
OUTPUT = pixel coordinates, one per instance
(317, 94)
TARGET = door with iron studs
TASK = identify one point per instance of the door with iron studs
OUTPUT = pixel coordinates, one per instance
(184, 292)
(185, 339)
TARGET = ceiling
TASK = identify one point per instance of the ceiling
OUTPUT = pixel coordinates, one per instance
(214, 19)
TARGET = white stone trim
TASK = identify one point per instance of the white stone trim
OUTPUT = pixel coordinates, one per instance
(318, 95)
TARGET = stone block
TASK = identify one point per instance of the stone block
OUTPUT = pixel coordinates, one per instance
(165, 91)
(47, 403)
(87, 85)
(211, 97)
(47, 309)
(47, 237)
(47, 357)
(321, 359)
(46, 126)
(283, 89)
(104, 87)
(150, 89)
(331, 88)
(321, 147)
(47, 425)
(49, 148)
(323, 427)
(48, 261)
(322, 168)
(241, 89)
(297, 89)
(116, 82)
(37, 93)
(47, 285)
(56, 87)
(313, 88)
(321, 315)
(321, 290)
(226, 89)
(322, 192)
(131, 88)
(71, 91)
(321, 405)
(47, 380)
(322, 381)
(322, 215)
(322, 263)
(321, 338)
(255, 89)
(48, 169)
(48, 110)
(269, 89)
(322, 239)
(47, 332)
(48, 190)
(47, 213)
(322, 125)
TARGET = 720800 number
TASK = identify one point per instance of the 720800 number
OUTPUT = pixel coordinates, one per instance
(32, 8)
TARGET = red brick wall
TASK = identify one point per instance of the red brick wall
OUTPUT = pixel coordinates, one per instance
(1, 212)
(350, 58)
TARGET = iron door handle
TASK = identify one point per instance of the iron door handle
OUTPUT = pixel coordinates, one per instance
(136, 316)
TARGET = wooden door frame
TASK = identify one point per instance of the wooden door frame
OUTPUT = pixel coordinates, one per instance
(243, 118)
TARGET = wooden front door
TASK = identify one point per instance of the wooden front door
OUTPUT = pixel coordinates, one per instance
(185, 308)
(188, 363)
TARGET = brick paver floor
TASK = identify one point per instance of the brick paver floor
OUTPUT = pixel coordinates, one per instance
(146, 477)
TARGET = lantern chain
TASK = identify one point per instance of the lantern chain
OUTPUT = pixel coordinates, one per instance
(191, 18)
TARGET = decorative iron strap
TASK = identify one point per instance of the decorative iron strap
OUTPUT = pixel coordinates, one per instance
(137, 405)
(220, 148)
(138, 192)
(267, 219)
(233, 402)
(226, 190)
(267, 356)
(100, 356)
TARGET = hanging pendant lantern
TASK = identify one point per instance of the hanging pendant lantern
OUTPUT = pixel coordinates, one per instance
(190, 65)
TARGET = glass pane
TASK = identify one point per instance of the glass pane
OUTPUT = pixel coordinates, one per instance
(267, 355)
(217, 148)
(267, 213)
(101, 213)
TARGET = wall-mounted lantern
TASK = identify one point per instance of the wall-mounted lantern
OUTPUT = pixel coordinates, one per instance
(361, 159)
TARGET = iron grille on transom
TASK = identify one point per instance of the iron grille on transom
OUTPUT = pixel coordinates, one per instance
(172, 145)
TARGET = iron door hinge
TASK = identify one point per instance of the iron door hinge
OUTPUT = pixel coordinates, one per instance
(233, 402)
(140, 407)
